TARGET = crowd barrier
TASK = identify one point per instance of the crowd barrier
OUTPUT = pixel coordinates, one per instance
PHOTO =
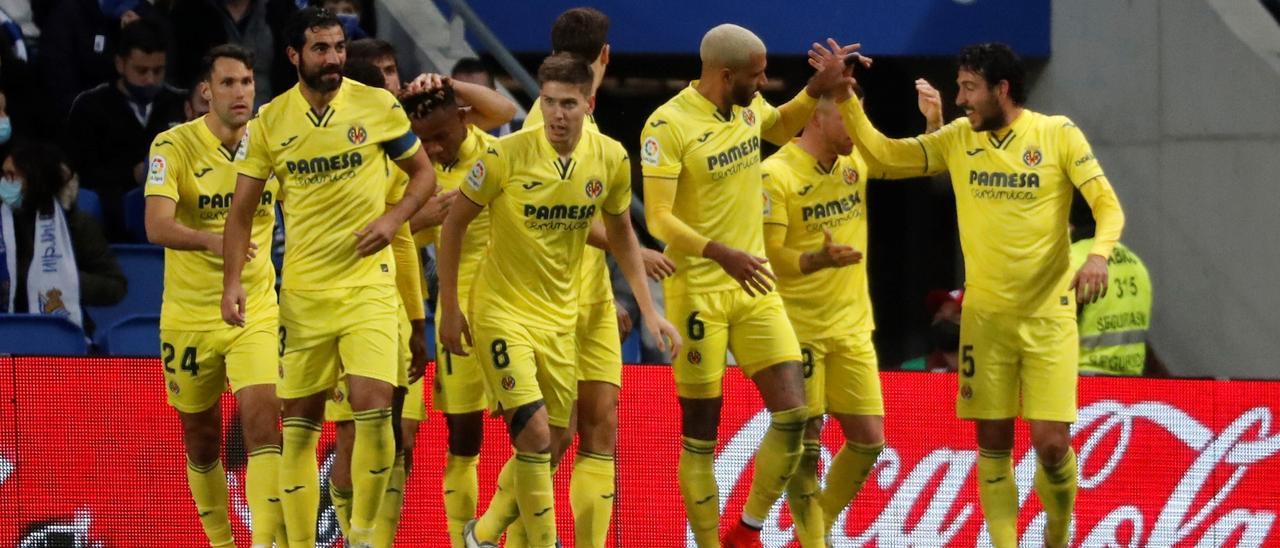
(90, 455)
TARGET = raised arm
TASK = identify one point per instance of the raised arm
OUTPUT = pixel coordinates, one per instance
(794, 114)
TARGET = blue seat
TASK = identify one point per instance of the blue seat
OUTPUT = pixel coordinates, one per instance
(134, 204)
(88, 202)
(631, 346)
(137, 335)
(29, 334)
(143, 266)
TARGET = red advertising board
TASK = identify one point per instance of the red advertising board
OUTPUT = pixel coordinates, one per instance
(90, 455)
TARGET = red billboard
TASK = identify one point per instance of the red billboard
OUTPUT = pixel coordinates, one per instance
(90, 455)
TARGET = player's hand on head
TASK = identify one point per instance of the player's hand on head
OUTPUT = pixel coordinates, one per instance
(828, 61)
(377, 235)
(1090, 282)
(749, 270)
(233, 303)
(426, 82)
(657, 265)
(667, 335)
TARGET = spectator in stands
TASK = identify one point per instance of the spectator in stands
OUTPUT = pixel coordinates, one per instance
(112, 125)
(473, 71)
(381, 55)
(1113, 329)
(199, 25)
(944, 332)
(76, 46)
(76, 266)
(348, 11)
(196, 105)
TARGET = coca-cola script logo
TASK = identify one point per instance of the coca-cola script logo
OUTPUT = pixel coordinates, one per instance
(1206, 505)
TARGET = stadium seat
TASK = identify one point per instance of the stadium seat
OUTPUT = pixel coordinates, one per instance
(87, 202)
(40, 335)
(143, 266)
(137, 335)
(631, 347)
(135, 212)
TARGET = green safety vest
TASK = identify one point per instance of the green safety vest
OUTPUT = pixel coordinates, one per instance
(1113, 330)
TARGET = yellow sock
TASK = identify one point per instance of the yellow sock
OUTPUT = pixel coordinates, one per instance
(341, 499)
(1056, 486)
(461, 491)
(371, 462)
(776, 460)
(516, 537)
(262, 492)
(998, 494)
(392, 502)
(699, 490)
(848, 471)
(536, 498)
(300, 479)
(802, 498)
(591, 493)
(503, 508)
(208, 484)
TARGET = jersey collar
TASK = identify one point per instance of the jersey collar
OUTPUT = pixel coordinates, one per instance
(209, 140)
(563, 167)
(1001, 138)
(794, 149)
(334, 104)
(701, 102)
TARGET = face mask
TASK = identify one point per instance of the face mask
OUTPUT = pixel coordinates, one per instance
(6, 130)
(11, 192)
(142, 94)
(945, 336)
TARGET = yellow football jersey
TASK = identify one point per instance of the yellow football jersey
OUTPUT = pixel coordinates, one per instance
(449, 177)
(333, 170)
(1013, 191)
(807, 198)
(541, 210)
(716, 163)
(190, 166)
(596, 286)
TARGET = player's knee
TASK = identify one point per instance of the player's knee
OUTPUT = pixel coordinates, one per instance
(466, 433)
(529, 429)
(996, 435)
(1051, 442)
(700, 417)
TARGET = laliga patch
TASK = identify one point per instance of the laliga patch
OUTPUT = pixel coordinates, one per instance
(850, 176)
(594, 188)
(155, 175)
(1031, 157)
(649, 152)
(768, 204)
(476, 177)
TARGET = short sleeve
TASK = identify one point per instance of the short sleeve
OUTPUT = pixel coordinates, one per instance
(257, 159)
(660, 148)
(768, 113)
(618, 201)
(394, 131)
(484, 182)
(775, 195)
(166, 165)
(1077, 156)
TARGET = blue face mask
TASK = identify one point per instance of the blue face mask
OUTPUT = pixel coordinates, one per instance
(351, 25)
(11, 192)
(6, 130)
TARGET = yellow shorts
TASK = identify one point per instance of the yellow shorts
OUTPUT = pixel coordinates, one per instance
(523, 365)
(330, 333)
(1004, 357)
(198, 365)
(842, 375)
(338, 408)
(756, 329)
(599, 348)
(459, 385)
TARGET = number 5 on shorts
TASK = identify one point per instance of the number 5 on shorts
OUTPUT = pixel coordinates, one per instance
(966, 356)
